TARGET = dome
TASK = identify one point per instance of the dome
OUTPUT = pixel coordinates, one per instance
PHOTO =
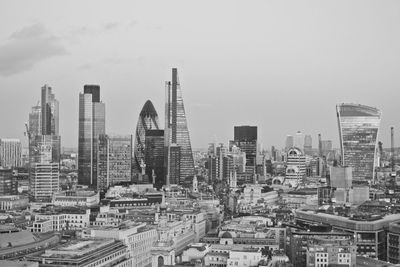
(226, 235)
(148, 110)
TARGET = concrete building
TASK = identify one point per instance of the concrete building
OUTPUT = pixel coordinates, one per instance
(44, 180)
(244, 257)
(87, 252)
(66, 218)
(76, 198)
(13, 202)
(138, 237)
(295, 167)
(8, 183)
(393, 243)
(369, 232)
(10, 153)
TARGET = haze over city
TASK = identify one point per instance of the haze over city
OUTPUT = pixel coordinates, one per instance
(282, 66)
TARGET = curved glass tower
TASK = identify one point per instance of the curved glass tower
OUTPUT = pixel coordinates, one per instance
(148, 120)
(358, 133)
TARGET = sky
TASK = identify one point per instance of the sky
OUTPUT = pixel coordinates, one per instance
(280, 65)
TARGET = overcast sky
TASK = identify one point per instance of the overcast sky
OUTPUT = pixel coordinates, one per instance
(280, 65)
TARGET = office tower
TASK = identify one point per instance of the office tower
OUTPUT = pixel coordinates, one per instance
(92, 123)
(45, 148)
(215, 163)
(8, 183)
(299, 140)
(44, 180)
(114, 160)
(326, 147)
(295, 166)
(154, 157)
(245, 138)
(49, 113)
(308, 145)
(289, 142)
(35, 120)
(10, 153)
(179, 162)
(358, 132)
(148, 120)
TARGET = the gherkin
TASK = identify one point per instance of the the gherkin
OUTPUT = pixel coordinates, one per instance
(148, 120)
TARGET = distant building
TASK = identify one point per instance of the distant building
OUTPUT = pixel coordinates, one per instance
(10, 153)
(289, 143)
(8, 184)
(245, 138)
(299, 140)
(148, 120)
(308, 145)
(13, 202)
(358, 128)
(76, 198)
(296, 166)
(92, 121)
(114, 160)
(154, 157)
(49, 112)
(179, 162)
(35, 121)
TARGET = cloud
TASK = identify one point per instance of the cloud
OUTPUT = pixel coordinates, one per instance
(111, 26)
(27, 47)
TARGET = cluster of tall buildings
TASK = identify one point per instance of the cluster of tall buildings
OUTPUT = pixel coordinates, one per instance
(44, 147)
(152, 155)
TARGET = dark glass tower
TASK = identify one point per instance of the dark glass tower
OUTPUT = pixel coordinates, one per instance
(245, 137)
(154, 157)
(92, 124)
(358, 132)
(49, 113)
(148, 120)
(179, 162)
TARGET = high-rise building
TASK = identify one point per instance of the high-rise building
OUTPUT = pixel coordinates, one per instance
(289, 143)
(8, 183)
(154, 157)
(299, 140)
(92, 121)
(44, 148)
(10, 153)
(308, 145)
(35, 121)
(49, 113)
(148, 120)
(179, 162)
(44, 180)
(296, 166)
(115, 160)
(245, 138)
(358, 132)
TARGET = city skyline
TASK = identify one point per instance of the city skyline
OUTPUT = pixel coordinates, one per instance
(324, 70)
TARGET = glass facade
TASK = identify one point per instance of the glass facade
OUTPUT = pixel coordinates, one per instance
(179, 161)
(155, 157)
(358, 132)
(148, 120)
(115, 160)
(91, 125)
(49, 113)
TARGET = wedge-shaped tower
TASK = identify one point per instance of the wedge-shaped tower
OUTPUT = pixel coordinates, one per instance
(148, 120)
(358, 132)
(179, 158)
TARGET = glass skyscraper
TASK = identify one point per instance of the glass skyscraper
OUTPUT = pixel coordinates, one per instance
(179, 162)
(148, 120)
(154, 157)
(358, 132)
(245, 137)
(91, 126)
(49, 113)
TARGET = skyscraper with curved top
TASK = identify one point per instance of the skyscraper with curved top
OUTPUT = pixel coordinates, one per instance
(148, 120)
(358, 132)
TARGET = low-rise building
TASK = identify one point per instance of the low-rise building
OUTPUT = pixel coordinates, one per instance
(87, 252)
(13, 202)
(76, 198)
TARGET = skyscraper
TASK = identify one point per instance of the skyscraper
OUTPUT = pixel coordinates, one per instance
(10, 153)
(49, 112)
(289, 142)
(154, 157)
(245, 137)
(91, 124)
(44, 147)
(148, 120)
(299, 140)
(179, 162)
(308, 145)
(358, 132)
(115, 160)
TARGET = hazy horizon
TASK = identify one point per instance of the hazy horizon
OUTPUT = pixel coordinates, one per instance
(282, 66)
